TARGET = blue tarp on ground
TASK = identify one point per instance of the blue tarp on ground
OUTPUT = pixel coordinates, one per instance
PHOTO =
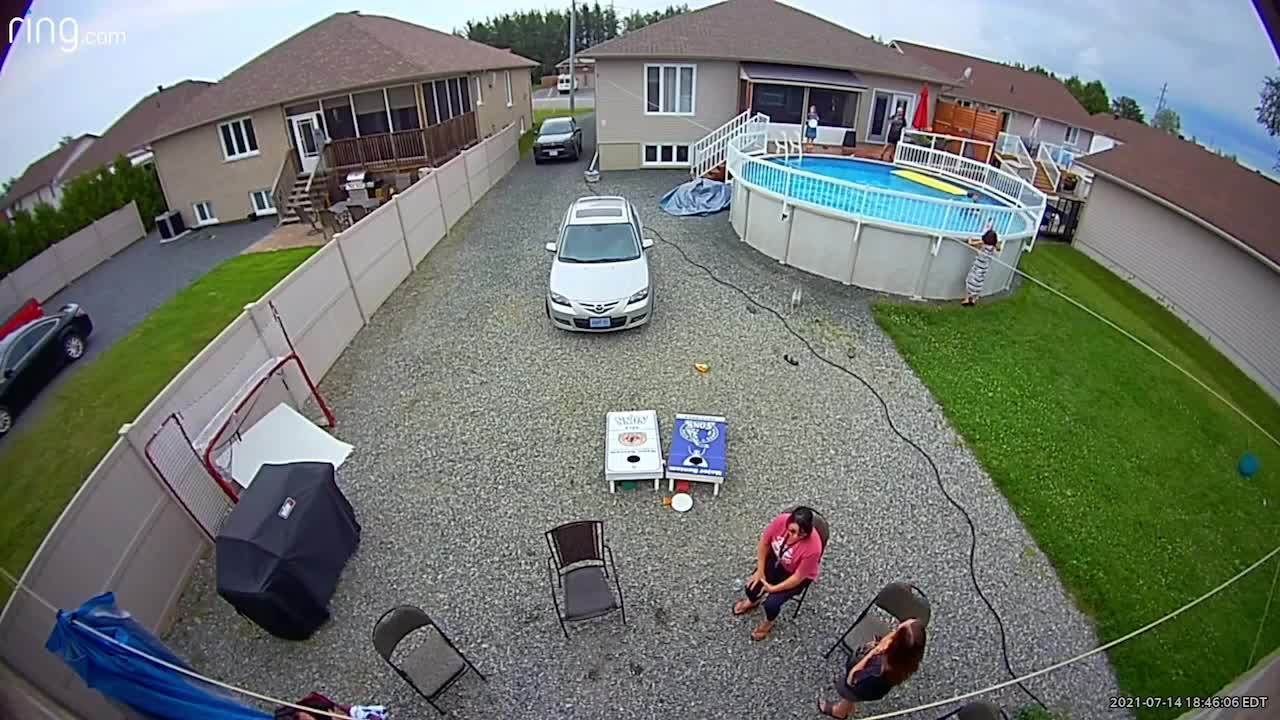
(697, 197)
(121, 675)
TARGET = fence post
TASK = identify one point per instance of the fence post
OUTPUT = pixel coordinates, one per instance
(351, 283)
(404, 236)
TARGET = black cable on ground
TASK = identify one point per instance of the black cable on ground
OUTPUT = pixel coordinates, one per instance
(888, 416)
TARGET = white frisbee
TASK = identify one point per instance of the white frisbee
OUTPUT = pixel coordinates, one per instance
(682, 502)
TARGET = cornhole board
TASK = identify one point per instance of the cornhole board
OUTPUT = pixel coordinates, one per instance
(697, 450)
(632, 450)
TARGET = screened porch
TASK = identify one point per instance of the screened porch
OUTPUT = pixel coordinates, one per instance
(786, 92)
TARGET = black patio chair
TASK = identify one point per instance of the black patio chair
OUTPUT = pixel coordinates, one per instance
(903, 601)
(577, 565)
(430, 667)
(977, 710)
(824, 531)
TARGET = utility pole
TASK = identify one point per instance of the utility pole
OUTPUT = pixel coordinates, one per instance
(573, 52)
(1160, 102)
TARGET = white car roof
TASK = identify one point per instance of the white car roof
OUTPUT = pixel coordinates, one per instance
(599, 211)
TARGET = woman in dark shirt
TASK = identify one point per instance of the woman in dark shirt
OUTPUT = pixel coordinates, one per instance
(876, 669)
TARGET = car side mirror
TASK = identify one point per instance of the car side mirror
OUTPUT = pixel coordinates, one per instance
(646, 243)
(551, 247)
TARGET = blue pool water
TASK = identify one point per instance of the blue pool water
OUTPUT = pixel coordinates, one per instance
(916, 209)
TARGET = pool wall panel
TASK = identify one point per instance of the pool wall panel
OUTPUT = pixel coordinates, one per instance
(948, 270)
(821, 244)
(738, 209)
(890, 260)
(766, 229)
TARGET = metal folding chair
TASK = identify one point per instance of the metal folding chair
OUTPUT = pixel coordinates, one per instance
(824, 531)
(577, 565)
(430, 667)
(903, 601)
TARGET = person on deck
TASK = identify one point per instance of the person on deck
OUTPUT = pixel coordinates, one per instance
(896, 124)
(878, 667)
(788, 557)
(985, 249)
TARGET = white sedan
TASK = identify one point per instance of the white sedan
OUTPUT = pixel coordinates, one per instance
(600, 276)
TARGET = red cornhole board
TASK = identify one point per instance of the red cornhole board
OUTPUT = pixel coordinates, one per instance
(29, 311)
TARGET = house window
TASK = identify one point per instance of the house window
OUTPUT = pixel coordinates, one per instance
(404, 108)
(782, 103)
(466, 94)
(204, 213)
(455, 96)
(669, 89)
(371, 113)
(238, 139)
(262, 202)
(1073, 135)
(479, 93)
(339, 122)
(508, 72)
(659, 154)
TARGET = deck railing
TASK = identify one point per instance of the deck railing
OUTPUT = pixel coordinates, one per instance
(285, 177)
(957, 218)
(1044, 156)
(1061, 154)
(405, 148)
(710, 150)
(956, 144)
(1010, 144)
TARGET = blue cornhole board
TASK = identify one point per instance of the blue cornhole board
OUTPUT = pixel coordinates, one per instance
(697, 450)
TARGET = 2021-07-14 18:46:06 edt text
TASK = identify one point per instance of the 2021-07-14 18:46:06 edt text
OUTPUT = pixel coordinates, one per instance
(1190, 702)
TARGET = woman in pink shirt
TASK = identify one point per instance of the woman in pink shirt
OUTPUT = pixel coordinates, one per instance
(788, 557)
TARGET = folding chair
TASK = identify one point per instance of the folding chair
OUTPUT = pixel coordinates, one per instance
(430, 667)
(824, 531)
(977, 710)
(577, 565)
(903, 601)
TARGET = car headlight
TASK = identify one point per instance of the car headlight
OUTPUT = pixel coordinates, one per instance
(638, 297)
(559, 299)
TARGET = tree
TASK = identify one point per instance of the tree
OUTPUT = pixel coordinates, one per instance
(66, 139)
(1092, 95)
(1128, 108)
(1167, 119)
(1269, 108)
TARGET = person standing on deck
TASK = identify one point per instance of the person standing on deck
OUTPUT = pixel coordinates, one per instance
(977, 277)
(811, 125)
(896, 123)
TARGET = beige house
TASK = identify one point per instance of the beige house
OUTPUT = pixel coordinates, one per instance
(352, 92)
(1195, 231)
(663, 87)
(42, 182)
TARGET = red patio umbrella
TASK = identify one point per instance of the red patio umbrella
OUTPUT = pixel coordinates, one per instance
(921, 118)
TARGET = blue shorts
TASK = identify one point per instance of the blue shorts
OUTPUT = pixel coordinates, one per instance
(811, 133)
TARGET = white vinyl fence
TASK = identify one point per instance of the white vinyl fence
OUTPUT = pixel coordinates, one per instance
(44, 275)
(123, 531)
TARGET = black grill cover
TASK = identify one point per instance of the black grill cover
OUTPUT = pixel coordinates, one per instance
(283, 547)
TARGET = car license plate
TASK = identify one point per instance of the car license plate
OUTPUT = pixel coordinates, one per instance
(553, 153)
(599, 322)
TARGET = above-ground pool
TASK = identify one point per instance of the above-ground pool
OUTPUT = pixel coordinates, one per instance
(862, 223)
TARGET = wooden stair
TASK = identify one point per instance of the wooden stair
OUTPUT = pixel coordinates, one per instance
(1043, 183)
(296, 199)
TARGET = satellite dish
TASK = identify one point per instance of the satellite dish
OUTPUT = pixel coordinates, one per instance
(968, 72)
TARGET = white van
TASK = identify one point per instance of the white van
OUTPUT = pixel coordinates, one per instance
(565, 82)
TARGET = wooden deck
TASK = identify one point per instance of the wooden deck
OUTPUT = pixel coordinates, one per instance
(407, 149)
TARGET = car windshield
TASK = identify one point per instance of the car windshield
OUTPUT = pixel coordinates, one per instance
(614, 242)
(556, 126)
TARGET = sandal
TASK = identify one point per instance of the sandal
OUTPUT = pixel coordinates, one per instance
(740, 609)
(762, 630)
(826, 709)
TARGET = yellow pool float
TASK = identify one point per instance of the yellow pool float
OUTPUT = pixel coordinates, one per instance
(932, 182)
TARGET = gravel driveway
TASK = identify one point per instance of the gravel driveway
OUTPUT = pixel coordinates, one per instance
(477, 426)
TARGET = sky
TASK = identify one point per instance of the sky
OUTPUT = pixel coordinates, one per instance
(1213, 55)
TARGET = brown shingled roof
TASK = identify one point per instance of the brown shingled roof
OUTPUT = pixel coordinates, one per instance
(44, 171)
(1003, 86)
(133, 130)
(1236, 200)
(764, 31)
(343, 51)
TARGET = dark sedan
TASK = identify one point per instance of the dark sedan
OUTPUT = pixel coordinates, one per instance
(33, 354)
(558, 138)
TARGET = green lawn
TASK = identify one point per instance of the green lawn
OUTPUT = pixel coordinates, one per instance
(51, 453)
(526, 140)
(1122, 468)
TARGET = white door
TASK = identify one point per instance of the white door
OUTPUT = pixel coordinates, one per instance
(307, 137)
(883, 106)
